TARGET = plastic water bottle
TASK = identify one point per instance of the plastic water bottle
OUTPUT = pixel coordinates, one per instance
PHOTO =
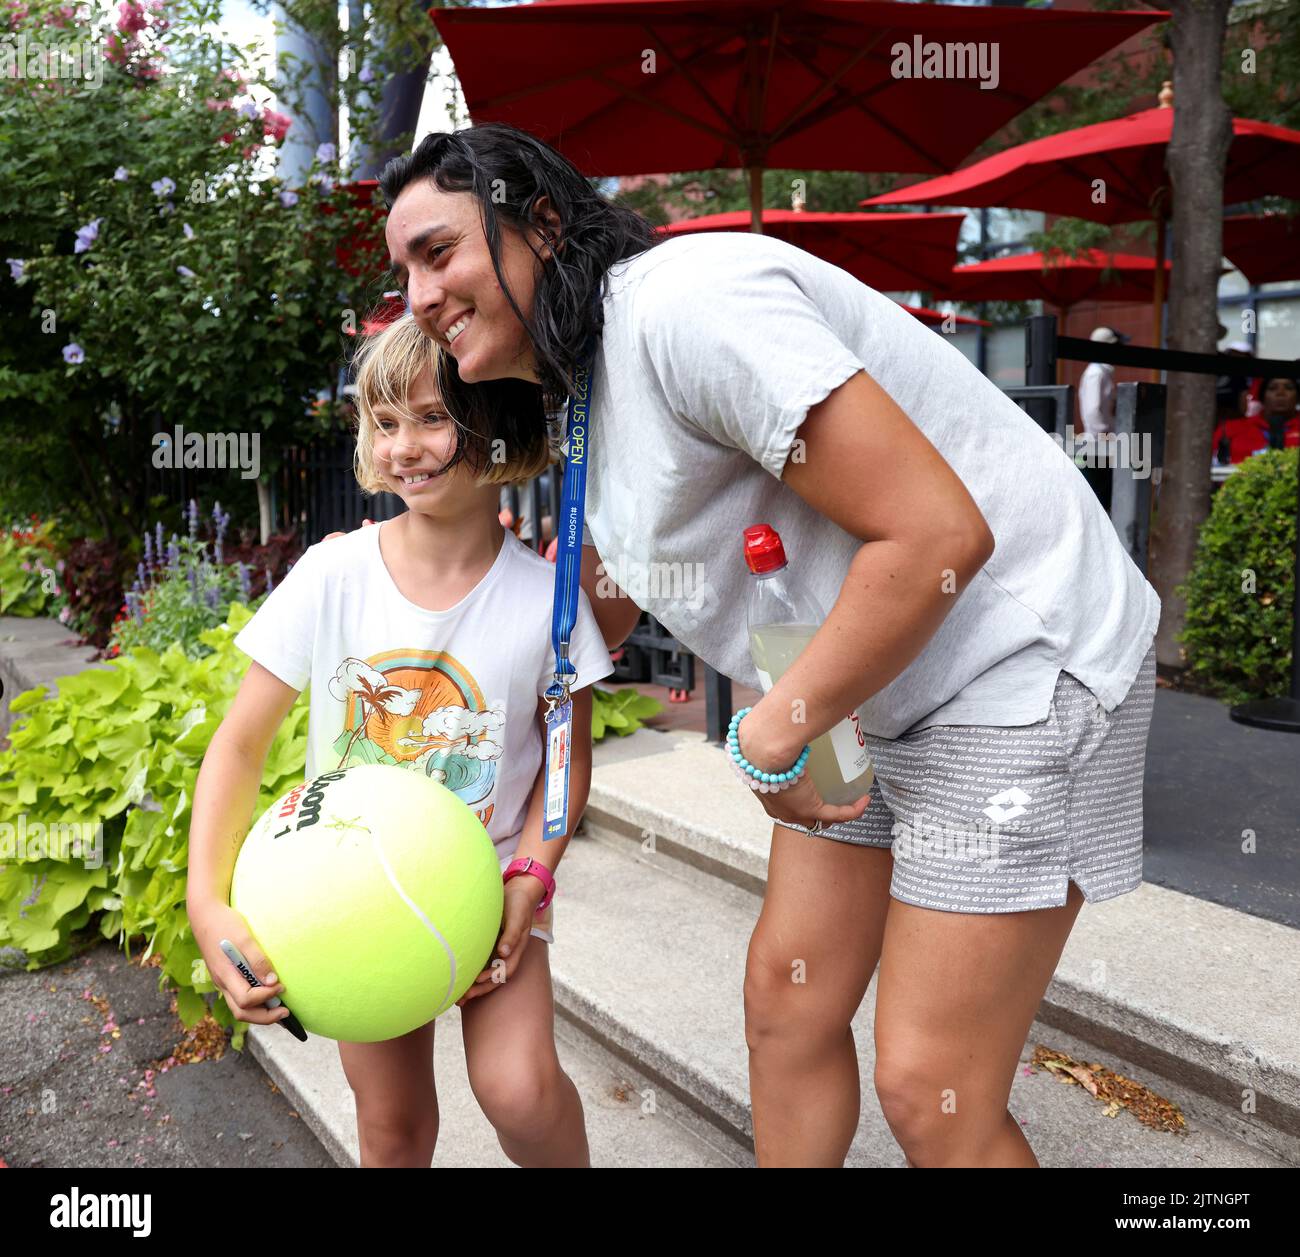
(781, 619)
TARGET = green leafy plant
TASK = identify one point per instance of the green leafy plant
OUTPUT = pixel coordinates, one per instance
(116, 754)
(1241, 590)
(620, 711)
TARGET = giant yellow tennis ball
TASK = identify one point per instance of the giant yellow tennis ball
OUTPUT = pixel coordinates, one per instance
(376, 895)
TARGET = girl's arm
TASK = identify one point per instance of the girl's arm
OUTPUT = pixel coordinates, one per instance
(548, 852)
(227, 787)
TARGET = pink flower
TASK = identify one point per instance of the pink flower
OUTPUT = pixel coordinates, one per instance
(118, 48)
(131, 17)
(275, 125)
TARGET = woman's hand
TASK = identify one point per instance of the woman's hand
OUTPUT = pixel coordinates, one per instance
(212, 922)
(802, 803)
(522, 895)
(329, 536)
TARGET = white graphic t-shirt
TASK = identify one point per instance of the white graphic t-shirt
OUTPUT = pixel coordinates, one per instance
(449, 693)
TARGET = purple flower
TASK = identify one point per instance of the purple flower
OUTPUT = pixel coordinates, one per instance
(189, 231)
(269, 583)
(163, 186)
(212, 597)
(157, 540)
(138, 608)
(287, 199)
(173, 554)
(16, 265)
(73, 353)
(248, 110)
(120, 174)
(87, 235)
(148, 548)
(222, 519)
(193, 514)
(194, 584)
(245, 587)
(185, 272)
(366, 74)
(325, 153)
(169, 208)
(140, 572)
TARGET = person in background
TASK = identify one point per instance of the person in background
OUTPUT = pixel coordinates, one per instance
(1276, 427)
(1280, 395)
(1097, 412)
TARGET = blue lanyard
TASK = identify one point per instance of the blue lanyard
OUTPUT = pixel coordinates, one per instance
(568, 557)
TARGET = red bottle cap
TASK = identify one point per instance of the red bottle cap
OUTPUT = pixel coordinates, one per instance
(763, 549)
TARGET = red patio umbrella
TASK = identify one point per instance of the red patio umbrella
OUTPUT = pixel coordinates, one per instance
(890, 252)
(1265, 248)
(934, 317)
(1059, 174)
(624, 87)
(1060, 279)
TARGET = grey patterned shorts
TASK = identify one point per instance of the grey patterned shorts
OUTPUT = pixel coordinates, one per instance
(985, 819)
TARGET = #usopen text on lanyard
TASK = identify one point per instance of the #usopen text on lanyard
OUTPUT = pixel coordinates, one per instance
(564, 612)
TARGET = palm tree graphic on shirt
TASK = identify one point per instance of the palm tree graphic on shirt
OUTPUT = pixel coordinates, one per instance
(437, 722)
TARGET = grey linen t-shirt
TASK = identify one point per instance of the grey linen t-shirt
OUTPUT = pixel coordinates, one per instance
(714, 348)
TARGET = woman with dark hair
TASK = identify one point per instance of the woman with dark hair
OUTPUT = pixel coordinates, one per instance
(987, 627)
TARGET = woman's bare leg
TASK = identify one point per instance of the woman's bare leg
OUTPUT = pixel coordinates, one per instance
(956, 996)
(810, 961)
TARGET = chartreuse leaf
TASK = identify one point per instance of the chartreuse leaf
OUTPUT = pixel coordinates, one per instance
(120, 747)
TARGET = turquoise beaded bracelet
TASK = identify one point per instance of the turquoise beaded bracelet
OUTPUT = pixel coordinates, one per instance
(755, 778)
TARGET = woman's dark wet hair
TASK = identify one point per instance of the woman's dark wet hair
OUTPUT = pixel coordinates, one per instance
(508, 171)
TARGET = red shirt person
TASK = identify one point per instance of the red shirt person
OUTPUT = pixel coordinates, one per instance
(1277, 427)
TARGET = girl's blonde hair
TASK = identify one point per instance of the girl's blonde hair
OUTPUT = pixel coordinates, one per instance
(386, 368)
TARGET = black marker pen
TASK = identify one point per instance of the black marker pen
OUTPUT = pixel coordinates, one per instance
(290, 1023)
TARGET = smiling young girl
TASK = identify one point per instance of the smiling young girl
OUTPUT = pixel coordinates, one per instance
(427, 644)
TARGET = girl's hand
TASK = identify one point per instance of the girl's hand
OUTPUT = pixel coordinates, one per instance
(214, 921)
(522, 895)
(329, 536)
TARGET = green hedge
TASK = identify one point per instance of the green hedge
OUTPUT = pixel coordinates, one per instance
(1240, 592)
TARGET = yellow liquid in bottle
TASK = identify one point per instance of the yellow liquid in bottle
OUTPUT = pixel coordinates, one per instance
(837, 761)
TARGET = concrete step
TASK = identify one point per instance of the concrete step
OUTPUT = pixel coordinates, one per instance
(652, 966)
(1199, 1001)
(623, 1127)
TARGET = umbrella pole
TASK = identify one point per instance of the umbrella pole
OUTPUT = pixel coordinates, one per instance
(756, 199)
(1158, 304)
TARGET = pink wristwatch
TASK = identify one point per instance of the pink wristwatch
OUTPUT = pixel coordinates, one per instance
(539, 871)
